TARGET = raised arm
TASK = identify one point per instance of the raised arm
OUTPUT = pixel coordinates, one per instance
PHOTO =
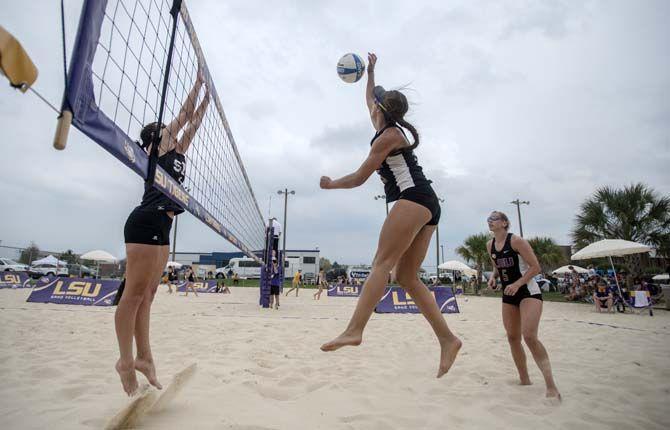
(187, 109)
(386, 143)
(369, 94)
(188, 135)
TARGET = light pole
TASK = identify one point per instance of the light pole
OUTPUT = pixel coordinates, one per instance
(382, 196)
(518, 204)
(285, 192)
(437, 244)
(442, 249)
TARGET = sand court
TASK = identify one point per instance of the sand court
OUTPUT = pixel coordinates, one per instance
(262, 369)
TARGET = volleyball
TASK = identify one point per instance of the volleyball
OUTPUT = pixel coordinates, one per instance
(350, 68)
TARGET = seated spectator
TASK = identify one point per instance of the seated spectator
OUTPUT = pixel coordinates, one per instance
(603, 297)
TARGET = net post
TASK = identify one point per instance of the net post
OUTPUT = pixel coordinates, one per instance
(62, 130)
(266, 268)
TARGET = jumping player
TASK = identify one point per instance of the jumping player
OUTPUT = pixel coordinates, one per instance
(407, 230)
(146, 233)
(515, 264)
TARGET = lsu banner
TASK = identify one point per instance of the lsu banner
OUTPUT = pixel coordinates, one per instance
(208, 286)
(396, 300)
(75, 291)
(344, 290)
(14, 280)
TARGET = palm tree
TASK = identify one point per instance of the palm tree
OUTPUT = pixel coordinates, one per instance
(636, 213)
(474, 251)
(548, 253)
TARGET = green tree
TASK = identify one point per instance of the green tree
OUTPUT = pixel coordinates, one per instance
(69, 256)
(636, 213)
(548, 253)
(474, 251)
(29, 254)
(324, 263)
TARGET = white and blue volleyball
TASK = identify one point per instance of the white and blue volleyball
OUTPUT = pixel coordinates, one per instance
(350, 68)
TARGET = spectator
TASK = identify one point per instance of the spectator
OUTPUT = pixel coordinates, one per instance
(275, 284)
(603, 297)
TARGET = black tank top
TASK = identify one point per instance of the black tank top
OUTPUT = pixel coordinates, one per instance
(507, 261)
(400, 170)
(174, 164)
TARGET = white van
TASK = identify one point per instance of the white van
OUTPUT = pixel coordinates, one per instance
(244, 267)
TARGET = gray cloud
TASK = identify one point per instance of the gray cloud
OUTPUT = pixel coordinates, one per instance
(544, 101)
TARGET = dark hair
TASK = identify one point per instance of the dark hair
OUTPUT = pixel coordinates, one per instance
(149, 133)
(395, 106)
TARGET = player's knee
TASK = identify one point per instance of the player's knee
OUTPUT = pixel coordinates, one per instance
(514, 338)
(405, 277)
(530, 339)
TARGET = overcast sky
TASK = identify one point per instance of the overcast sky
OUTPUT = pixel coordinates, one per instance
(540, 100)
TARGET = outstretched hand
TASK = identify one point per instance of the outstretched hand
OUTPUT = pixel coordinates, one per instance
(325, 182)
(372, 60)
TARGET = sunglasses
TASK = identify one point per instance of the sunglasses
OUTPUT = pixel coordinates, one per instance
(493, 218)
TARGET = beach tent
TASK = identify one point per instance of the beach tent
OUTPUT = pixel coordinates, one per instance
(565, 269)
(98, 256)
(173, 264)
(50, 259)
(611, 248)
(457, 266)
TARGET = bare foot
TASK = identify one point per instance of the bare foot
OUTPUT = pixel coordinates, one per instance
(552, 393)
(126, 372)
(147, 368)
(344, 339)
(449, 350)
(525, 381)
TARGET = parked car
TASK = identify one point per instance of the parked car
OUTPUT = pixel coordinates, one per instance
(7, 265)
(81, 270)
(47, 269)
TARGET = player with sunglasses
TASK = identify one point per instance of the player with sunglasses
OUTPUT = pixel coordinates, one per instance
(514, 262)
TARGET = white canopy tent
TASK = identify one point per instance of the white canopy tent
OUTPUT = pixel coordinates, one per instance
(661, 277)
(173, 264)
(50, 259)
(566, 269)
(98, 256)
(457, 266)
(609, 248)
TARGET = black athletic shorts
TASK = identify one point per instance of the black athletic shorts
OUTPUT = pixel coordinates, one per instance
(521, 293)
(426, 197)
(274, 289)
(148, 226)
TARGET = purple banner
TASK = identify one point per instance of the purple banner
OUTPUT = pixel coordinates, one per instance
(396, 300)
(75, 291)
(344, 290)
(208, 286)
(14, 280)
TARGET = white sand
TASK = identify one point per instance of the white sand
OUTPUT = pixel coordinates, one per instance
(262, 369)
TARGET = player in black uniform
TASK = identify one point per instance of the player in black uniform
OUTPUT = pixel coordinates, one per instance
(406, 233)
(515, 264)
(147, 232)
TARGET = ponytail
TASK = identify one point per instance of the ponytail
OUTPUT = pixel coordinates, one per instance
(415, 134)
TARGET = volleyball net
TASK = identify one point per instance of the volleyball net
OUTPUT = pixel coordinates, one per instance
(136, 62)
